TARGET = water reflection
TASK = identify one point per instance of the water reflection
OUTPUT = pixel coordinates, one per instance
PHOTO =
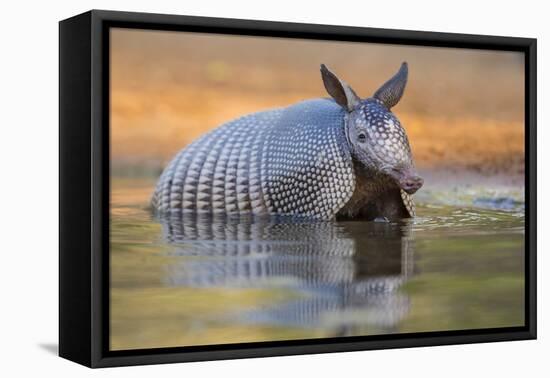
(343, 275)
(201, 281)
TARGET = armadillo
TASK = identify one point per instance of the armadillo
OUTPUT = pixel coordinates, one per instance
(325, 158)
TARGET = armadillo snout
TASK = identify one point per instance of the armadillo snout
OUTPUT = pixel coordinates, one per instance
(411, 183)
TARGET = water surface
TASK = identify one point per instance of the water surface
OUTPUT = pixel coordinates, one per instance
(179, 281)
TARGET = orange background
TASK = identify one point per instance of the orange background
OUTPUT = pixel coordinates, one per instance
(462, 109)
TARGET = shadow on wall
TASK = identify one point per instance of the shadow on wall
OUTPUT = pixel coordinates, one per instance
(51, 348)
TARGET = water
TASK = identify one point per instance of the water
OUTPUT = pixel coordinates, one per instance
(179, 281)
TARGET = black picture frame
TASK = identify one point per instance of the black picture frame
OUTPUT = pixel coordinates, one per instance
(84, 187)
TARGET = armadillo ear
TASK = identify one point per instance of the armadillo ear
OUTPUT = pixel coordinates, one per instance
(391, 92)
(339, 90)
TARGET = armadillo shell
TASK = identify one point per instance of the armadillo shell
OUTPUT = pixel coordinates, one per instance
(292, 161)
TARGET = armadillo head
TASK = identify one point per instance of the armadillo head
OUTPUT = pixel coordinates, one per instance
(376, 136)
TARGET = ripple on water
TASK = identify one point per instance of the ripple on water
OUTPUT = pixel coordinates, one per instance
(187, 281)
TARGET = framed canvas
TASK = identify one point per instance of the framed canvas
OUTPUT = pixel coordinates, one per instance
(235, 188)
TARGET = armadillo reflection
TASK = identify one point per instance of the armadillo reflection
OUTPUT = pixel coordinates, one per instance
(320, 158)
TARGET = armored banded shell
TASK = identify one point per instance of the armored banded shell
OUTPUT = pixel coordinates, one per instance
(290, 161)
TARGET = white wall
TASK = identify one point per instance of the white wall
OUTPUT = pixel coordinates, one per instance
(28, 148)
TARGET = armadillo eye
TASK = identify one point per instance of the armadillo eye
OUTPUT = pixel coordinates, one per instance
(362, 137)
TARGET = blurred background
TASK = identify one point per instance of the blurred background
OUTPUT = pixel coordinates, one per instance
(463, 109)
(457, 265)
